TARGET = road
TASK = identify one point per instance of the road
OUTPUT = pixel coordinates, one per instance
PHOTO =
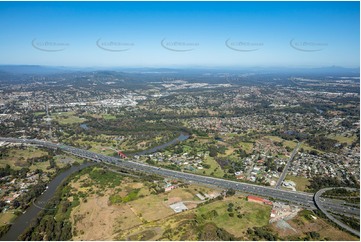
(328, 215)
(299, 198)
(285, 170)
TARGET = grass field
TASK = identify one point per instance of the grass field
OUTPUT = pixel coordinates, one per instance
(343, 139)
(39, 113)
(151, 208)
(67, 118)
(301, 182)
(274, 138)
(255, 215)
(246, 146)
(96, 218)
(215, 168)
(6, 218)
(39, 165)
(17, 157)
(149, 217)
(108, 116)
(292, 144)
(62, 160)
(105, 144)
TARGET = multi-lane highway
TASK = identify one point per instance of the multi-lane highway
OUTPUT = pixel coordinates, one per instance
(318, 203)
(299, 198)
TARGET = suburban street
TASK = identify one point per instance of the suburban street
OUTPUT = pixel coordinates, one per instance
(298, 198)
(285, 169)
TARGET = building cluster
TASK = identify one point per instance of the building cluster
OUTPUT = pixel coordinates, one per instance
(183, 161)
(281, 211)
(327, 165)
(13, 188)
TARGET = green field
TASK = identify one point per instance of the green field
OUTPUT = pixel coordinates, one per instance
(17, 157)
(246, 146)
(301, 182)
(67, 118)
(108, 116)
(39, 165)
(215, 168)
(292, 144)
(274, 138)
(39, 114)
(343, 139)
(7, 217)
(254, 215)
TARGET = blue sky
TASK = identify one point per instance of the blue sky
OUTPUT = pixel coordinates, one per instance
(170, 34)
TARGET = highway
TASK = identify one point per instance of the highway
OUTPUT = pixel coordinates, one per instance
(285, 169)
(298, 198)
(328, 215)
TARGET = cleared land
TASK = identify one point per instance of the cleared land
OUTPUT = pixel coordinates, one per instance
(67, 118)
(100, 217)
(303, 223)
(114, 207)
(253, 215)
(301, 182)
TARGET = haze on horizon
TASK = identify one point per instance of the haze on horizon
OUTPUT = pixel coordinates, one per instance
(180, 34)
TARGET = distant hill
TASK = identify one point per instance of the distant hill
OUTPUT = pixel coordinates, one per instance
(43, 70)
(32, 69)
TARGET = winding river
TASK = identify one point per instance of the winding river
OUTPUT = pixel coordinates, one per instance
(24, 220)
(181, 137)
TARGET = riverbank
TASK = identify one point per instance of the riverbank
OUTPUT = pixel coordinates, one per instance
(23, 221)
(180, 138)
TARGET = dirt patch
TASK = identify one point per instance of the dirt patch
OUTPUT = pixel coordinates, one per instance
(283, 225)
(191, 205)
(145, 235)
(174, 200)
(302, 226)
(151, 208)
(91, 221)
(136, 185)
(78, 184)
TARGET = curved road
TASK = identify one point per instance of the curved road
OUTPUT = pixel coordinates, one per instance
(328, 215)
(300, 198)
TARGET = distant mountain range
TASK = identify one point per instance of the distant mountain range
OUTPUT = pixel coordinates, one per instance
(44, 70)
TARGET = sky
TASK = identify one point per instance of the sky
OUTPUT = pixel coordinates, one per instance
(180, 34)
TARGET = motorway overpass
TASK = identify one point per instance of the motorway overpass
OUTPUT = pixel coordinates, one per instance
(298, 198)
(318, 203)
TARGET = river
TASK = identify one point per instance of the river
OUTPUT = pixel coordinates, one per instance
(24, 220)
(181, 137)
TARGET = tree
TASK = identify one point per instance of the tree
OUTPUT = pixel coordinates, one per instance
(230, 192)
(16, 204)
(213, 151)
